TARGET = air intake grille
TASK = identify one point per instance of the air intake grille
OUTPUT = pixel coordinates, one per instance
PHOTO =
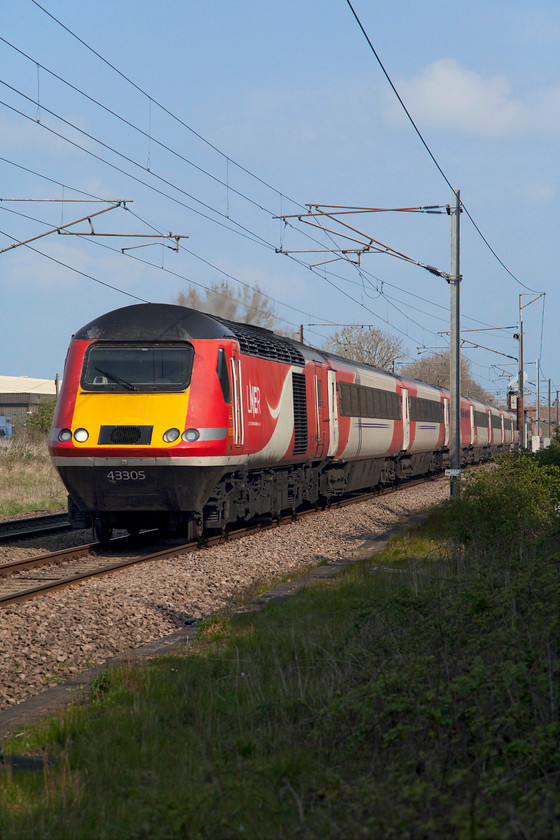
(300, 413)
(126, 435)
(256, 341)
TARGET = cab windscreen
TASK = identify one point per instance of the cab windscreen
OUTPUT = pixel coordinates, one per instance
(127, 367)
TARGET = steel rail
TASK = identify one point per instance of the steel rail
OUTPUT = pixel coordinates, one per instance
(91, 549)
(81, 551)
(17, 529)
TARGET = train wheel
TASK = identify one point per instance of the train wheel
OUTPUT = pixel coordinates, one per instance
(102, 530)
(195, 528)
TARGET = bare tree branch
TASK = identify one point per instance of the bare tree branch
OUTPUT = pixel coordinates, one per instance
(369, 345)
(248, 304)
(434, 369)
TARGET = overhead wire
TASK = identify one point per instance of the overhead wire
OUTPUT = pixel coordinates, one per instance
(131, 125)
(144, 168)
(262, 241)
(75, 270)
(247, 171)
(176, 274)
(363, 271)
(427, 148)
(124, 157)
(156, 102)
(246, 232)
(148, 135)
(189, 128)
(152, 99)
(182, 277)
(167, 270)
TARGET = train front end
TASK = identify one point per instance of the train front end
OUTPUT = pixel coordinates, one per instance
(133, 447)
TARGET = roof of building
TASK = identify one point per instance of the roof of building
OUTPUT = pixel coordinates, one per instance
(26, 385)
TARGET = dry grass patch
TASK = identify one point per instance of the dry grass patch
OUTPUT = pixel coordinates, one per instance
(28, 481)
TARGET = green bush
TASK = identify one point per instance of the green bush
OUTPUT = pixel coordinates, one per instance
(515, 502)
(41, 420)
(550, 455)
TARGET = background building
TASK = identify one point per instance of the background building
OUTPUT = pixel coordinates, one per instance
(20, 396)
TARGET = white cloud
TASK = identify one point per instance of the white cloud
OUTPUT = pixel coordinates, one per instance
(444, 94)
(448, 96)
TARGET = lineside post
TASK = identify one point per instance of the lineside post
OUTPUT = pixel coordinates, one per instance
(455, 355)
(520, 384)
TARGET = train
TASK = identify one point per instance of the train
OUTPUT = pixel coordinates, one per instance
(172, 418)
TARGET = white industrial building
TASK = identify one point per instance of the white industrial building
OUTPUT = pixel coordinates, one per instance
(20, 396)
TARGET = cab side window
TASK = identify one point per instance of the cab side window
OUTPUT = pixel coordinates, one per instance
(223, 377)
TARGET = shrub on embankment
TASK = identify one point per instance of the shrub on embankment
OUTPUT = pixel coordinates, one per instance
(509, 507)
(414, 697)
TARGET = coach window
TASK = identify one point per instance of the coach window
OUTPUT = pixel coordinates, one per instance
(362, 401)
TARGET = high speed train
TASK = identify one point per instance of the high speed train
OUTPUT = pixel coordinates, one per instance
(169, 417)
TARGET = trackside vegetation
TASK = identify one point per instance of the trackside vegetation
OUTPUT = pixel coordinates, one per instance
(413, 697)
(28, 481)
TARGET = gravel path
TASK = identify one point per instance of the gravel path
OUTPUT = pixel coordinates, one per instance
(44, 641)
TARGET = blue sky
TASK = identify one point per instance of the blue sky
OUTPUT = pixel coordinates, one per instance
(268, 107)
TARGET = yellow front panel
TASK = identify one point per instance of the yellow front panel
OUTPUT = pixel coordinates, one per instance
(161, 410)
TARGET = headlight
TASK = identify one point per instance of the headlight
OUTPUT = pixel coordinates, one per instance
(65, 435)
(81, 435)
(190, 435)
(171, 435)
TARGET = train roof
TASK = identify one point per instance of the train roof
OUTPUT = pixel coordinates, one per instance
(153, 322)
(170, 322)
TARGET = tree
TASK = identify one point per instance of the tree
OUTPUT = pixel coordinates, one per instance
(367, 344)
(247, 303)
(434, 370)
(41, 419)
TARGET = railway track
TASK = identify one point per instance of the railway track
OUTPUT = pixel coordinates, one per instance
(31, 577)
(53, 637)
(19, 529)
(22, 580)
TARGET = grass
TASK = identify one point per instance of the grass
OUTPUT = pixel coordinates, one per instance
(413, 697)
(28, 479)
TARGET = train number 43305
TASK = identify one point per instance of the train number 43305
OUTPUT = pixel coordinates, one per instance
(126, 475)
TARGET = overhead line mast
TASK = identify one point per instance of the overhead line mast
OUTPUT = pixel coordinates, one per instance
(454, 281)
(370, 245)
